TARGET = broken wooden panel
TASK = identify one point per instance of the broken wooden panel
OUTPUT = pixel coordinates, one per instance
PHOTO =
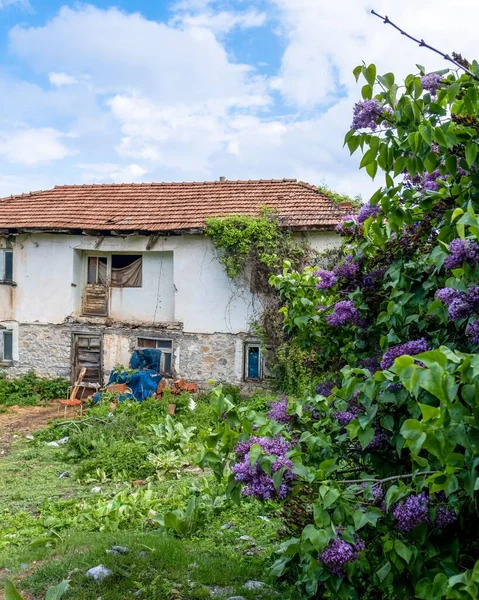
(87, 353)
(95, 300)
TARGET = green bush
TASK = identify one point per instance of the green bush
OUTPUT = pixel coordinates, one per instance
(30, 390)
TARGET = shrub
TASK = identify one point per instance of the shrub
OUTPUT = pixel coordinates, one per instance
(30, 390)
(384, 460)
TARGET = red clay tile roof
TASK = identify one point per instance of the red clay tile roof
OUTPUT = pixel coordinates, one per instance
(166, 207)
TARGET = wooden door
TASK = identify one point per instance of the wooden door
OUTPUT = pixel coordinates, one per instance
(87, 353)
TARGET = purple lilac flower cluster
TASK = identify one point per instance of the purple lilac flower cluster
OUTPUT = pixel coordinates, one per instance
(256, 481)
(462, 251)
(325, 388)
(344, 229)
(444, 517)
(379, 441)
(344, 313)
(431, 83)
(378, 495)
(368, 210)
(365, 114)
(371, 279)
(459, 304)
(349, 268)
(339, 552)
(327, 279)
(371, 364)
(411, 348)
(473, 332)
(427, 181)
(411, 512)
(279, 412)
(344, 417)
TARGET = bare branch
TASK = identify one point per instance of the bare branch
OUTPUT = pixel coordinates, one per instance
(423, 44)
(392, 478)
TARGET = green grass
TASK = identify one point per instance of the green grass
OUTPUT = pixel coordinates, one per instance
(51, 526)
(156, 564)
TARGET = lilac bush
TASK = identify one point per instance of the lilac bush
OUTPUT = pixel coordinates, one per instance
(462, 251)
(431, 83)
(344, 313)
(413, 511)
(256, 482)
(410, 348)
(338, 553)
(365, 114)
(279, 411)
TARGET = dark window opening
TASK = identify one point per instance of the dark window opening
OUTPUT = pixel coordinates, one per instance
(97, 269)
(7, 350)
(166, 347)
(6, 265)
(126, 270)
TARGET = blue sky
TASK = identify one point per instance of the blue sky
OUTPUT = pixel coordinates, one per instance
(160, 90)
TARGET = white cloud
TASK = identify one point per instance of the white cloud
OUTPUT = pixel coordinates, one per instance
(326, 40)
(61, 79)
(221, 22)
(167, 100)
(25, 4)
(131, 173)
(31, 147)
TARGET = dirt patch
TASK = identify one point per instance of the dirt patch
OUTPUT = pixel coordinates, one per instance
(22, 420)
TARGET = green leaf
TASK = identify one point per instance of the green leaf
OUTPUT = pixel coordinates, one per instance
(384, 571)
(318, 537)
(370, 74)
(366, 437)
(357, 72)
(428, 412)
(56, 592)
(330, 498)
(372, 168)
(255, 452)
(368, 157)
(367, 92)
(471, 153)
(426, 132)
(11, 592)
(402, 550)
(411, 430)
(387, 80)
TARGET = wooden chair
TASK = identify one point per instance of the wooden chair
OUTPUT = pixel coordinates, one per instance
(73, 401)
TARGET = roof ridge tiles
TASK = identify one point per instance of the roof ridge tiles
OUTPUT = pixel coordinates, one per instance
(173, 183)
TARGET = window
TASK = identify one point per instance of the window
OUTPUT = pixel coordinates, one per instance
(126, 270)
(6, 265)
(252, 362)
(117, 270)
(6, 345)
(97, 267)
(256, 361)
(166, 347)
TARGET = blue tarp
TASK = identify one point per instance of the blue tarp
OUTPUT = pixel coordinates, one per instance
(144, 381)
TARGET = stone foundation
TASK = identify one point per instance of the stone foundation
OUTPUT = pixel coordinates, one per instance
(47, 349)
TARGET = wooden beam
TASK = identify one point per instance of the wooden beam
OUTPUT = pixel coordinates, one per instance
(99, 241)
(152, 241)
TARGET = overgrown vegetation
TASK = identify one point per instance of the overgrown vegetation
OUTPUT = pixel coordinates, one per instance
(30, 390)
(131, 480)
(378, 470)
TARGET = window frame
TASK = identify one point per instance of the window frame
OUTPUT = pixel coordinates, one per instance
(6, 277)
(246, 349)
(164, 351)
(108, 256)
(4, 332)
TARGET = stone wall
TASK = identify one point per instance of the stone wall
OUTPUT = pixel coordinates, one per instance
(197, 357)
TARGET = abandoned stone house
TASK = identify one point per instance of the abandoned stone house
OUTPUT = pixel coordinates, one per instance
(88, 273)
